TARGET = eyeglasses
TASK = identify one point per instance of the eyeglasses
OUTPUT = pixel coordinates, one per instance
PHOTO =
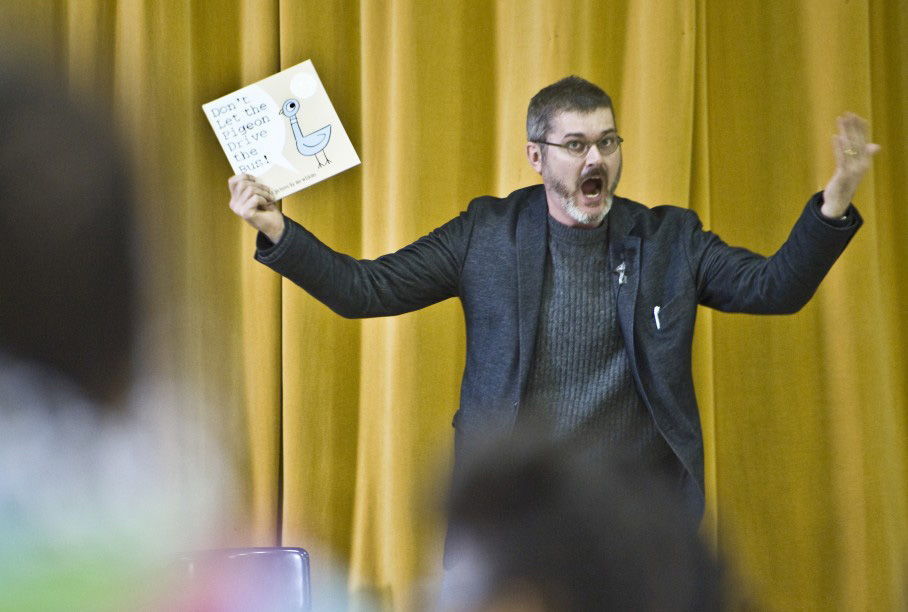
(579, 148)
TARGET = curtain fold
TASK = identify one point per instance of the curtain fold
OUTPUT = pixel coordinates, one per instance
(321, 351)
(340, 430)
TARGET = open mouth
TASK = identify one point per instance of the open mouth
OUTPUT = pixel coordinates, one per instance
(592, 187)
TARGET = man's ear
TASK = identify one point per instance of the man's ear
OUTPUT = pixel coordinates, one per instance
(534, 156)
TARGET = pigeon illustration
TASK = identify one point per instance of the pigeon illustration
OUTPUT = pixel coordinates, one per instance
(307, 144)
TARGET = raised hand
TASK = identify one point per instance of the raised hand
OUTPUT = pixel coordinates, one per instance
(853, 154)
(254, 202)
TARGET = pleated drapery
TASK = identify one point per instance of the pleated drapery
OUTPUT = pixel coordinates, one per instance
(341, 430)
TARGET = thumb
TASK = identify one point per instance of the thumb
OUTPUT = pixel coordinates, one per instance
(266, 204)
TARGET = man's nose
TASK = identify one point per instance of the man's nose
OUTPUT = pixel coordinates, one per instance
(593, 156)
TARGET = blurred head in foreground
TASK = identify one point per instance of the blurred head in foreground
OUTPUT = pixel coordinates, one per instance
(67, 282)
(95, 494)
(540, 525)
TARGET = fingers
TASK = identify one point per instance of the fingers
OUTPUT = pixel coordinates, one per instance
(850, 146)
(252, 206)
(838, 149)
(257, 189)
(239, 182)
(853, 156)
(856, 131)
(235, 180)
(245, 188)
(254, 202)
(251, 198)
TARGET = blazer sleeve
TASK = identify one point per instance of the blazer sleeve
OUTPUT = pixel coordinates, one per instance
(422, 273)
(734, 279)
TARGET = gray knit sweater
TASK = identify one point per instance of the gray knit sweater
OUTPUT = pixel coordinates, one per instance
(580, 382)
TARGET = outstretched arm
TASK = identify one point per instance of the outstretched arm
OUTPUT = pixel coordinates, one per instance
(420, 274)
(737, 280)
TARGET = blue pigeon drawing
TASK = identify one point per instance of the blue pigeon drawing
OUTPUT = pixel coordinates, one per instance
(307, 144)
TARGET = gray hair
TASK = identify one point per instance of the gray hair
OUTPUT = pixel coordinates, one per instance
(569, 94)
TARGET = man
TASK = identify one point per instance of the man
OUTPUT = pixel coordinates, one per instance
(579, 304)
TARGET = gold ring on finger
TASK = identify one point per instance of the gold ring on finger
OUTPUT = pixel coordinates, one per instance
(851, 152)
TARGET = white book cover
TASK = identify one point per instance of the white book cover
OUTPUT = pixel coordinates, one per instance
(283, 130)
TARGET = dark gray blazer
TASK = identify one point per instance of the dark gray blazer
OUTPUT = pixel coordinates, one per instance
(492, 257)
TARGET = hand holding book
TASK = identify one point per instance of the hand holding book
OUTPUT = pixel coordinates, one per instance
(254, 202)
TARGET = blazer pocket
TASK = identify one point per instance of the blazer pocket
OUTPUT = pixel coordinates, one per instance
(666, 318)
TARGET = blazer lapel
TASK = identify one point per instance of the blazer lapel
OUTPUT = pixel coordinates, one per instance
(624, 261)
(532, 232)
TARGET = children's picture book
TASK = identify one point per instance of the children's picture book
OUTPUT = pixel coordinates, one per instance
(283, 130)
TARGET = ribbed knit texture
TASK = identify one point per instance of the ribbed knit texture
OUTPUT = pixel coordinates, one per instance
(580, 382)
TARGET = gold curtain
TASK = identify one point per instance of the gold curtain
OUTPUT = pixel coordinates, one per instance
(340, 430)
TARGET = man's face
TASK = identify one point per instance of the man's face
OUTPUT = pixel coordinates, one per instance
(579, 190)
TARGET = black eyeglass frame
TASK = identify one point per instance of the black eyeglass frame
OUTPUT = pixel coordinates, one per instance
(586, 145)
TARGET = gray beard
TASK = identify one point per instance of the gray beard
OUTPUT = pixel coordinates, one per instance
(569, 205)
(578, 214)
